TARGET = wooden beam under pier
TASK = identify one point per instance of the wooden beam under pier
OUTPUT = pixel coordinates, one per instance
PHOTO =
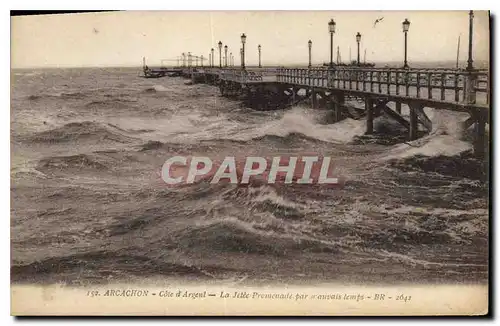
(398, 107)
(396, 116)
(423, 118)
(467, 123)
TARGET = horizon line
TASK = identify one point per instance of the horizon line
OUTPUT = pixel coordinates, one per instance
(247, 65)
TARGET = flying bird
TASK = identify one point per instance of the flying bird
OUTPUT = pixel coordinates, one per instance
(96, 31)
(377, 21)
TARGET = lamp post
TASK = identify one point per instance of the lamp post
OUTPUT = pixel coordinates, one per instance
(331, 29)
(259, 47)
(183, 59)
(241, 57)
(469, 59)
(243, 40)
(406, 26)
(231, 59)
(212, 62)
(220, 54)
(358, 39)
(190, 59)
(225, 55)
(309, 44)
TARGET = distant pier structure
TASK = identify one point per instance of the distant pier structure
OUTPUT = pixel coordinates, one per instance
(333, 86)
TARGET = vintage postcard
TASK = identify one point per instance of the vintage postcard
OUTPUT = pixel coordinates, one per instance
(250, 163)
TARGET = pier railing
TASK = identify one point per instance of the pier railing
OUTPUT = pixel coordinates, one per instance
(437, 85)
(448, 85)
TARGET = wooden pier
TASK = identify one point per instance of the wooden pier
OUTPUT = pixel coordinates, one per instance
(379, 89)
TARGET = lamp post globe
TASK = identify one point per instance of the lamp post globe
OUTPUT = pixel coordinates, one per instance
(331, 26)
(358, 37)
(406, 25)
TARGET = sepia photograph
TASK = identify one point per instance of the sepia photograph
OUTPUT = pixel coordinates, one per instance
(250, 163)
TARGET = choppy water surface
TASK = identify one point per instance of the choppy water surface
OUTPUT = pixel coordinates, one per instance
(88, 204)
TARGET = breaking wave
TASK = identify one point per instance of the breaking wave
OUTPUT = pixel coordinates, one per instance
(86, 131)
(445, 139)
(62, 95)
(156, 88)
(307, 122)
(80, 162)
(113, 104)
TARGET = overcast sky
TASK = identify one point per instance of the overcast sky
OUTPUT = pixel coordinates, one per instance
(123, 38)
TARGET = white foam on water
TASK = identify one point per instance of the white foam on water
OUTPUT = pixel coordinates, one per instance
(269, 194)
(443, 140)
(30, 73)
(195, 125)
(160, 88)
(182, 126)
(304, 121)
(435, 146)
(31, 171)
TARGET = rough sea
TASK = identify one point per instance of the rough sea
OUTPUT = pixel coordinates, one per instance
(88, 205)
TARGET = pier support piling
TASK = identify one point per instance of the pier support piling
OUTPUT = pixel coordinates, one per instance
(314, 99)
(413, 123)
(331, 108)
(294, 94)
(470, 85)
(480, 136)
(369, 115)
(338, 100)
